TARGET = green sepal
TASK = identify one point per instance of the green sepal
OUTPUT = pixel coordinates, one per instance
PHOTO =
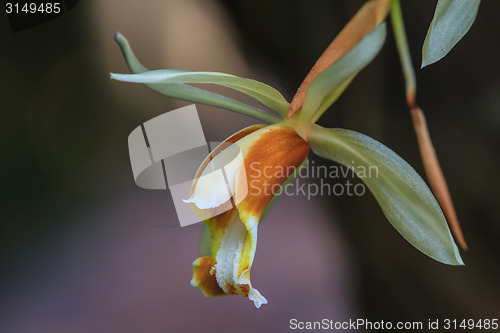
(330, 83)
(404, 197)
(452, 19)
(188, 93)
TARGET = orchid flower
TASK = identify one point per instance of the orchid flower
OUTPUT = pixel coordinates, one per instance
(284, 144)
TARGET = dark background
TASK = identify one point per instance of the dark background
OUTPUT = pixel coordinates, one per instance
(84, 250)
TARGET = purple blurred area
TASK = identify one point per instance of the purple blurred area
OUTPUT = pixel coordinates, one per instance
(124, 269)
(85, 250)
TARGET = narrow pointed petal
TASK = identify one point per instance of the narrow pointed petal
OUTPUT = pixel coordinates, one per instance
(266, 95)
(435, 175)
(271, 154)
(331, 82)
(403, 196)
(367, 18)
(185, 92)
(452, 19)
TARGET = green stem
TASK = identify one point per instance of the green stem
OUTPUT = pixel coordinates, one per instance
(404, 52)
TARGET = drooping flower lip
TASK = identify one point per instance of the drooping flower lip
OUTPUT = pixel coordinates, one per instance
(233, 228)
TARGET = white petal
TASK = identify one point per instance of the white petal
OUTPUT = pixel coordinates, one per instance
(216, 184)
(229, 254)
(217, 193)
(254, 295)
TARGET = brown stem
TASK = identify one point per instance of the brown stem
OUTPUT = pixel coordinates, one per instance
(434, 173)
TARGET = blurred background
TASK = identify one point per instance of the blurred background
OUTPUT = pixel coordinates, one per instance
(85, 250)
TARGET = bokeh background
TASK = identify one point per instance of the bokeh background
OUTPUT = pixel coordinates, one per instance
(85, 250)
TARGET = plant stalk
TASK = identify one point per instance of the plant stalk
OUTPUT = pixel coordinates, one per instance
(430, 161)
